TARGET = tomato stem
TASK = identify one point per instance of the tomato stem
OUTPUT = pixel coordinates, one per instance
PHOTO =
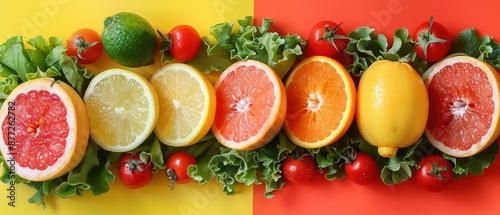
(81, 44)
(172, 178)
(331, 36)
(166, 41)
(425, 38)
(436, 170)
(134, 164)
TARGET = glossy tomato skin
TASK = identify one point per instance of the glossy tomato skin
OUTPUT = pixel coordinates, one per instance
(177, 164)
(434, 174)
(363, 170)
(185, 42)
(298, 170)
(437, 40)
(133, 172)
(318, 46)
(86, 45)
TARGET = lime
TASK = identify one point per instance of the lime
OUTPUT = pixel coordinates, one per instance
(129, 39)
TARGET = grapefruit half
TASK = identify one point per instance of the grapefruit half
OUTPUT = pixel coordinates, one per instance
(463, 105)
(45, 129)
(251, 105)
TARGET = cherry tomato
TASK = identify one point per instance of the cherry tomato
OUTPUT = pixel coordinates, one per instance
(86, 45)
(432, 41)
(183, 42)
(133, 172)
(177, 165)
(298, 169)
(435, 173)
(326, 38)
(363, 170)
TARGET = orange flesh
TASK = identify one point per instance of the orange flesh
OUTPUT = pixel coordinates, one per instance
(40, 129)
(316, 102)
(460, 105)
(244, 103)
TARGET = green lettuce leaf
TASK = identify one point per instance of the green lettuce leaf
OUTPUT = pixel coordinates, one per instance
(15, 57)
(474, 165)
(92, 174)
(248, 42)
(229, 167)
(367, 47)
(471, 43)
(400, 167)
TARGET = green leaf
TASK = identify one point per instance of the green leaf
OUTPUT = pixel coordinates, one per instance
(468, 42)
(7, 85)
(367, 47)
(217, 61)
(471, 43)
(100, 176)
(476, 164)
(39, 195)
(15, 57)
(249, 42)
(155, 153)
(399, 168)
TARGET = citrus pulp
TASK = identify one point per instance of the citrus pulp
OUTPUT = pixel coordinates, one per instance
(321, 100)
(45, 129)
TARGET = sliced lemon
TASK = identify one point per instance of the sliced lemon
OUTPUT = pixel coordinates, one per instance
(187, 104)
(123, 109)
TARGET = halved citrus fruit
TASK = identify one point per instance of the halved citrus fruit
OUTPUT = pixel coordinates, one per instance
(321, 100)
(463, 105)
(251, 105)
(45, 129)
(187, 104)
(123, 109)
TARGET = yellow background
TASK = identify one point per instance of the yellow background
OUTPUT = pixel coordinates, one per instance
(61, 18)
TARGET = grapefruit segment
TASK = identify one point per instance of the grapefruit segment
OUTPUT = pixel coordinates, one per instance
(251, 105)
(45, 129)
(321, 99)
(464, 105)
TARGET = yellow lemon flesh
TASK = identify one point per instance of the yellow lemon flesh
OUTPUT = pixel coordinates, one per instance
(393, 106)
(187, 104)
(123, 109)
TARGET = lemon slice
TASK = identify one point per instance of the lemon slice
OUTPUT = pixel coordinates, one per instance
(123, 109)
(187, 104)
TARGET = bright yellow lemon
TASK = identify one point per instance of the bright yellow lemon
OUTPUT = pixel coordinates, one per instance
(123, 109)
(392, 106)
(187, 104)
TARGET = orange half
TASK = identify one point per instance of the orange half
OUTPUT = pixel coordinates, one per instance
(321, 100)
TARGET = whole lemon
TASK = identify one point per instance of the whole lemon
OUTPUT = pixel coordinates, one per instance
(392, 106)
(129, 39)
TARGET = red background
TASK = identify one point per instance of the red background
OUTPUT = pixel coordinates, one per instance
(469, 195)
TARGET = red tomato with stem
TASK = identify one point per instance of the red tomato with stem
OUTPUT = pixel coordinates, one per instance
(362, 169)
(326, 38)
(177, 166)
(183, 42)
(435, 173)
(433, 41)
(299, 168)
(133, 172)
(86, 45)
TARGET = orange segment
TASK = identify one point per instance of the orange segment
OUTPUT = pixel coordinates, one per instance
(320, 102)
(251, 105)
(464, 105)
